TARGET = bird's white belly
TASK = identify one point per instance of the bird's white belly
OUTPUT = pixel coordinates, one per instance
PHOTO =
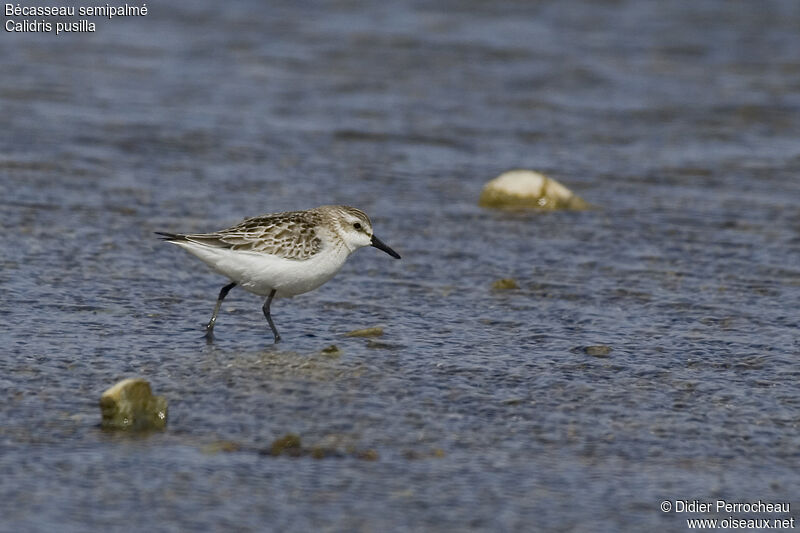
(260, 273)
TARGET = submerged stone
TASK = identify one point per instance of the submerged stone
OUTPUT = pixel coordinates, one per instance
(367, 332)
(528, 189)
(331, 351)
(130, 405)
(436, 453)
(375, 345)
(289, 444)
(320, 452)
(227, 446)
(597, 351)
(505, 284)
(368, 455)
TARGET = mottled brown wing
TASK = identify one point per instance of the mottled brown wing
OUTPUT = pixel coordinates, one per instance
(290, 235)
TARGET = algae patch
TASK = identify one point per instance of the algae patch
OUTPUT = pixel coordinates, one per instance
(413, 455)
(289, 445)
(598, 350)
(368, 455)
(366, 332)
(331, 351)
(226, 446)
(375, 345)
(505, 284)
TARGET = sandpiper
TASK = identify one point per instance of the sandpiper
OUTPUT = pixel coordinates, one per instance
(281, 254)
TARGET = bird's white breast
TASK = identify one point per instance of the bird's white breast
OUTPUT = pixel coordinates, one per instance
(260, 273)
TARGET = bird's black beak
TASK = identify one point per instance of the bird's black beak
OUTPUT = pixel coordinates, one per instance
(377, 243)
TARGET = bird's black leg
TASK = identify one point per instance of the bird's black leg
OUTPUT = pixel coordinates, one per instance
(210, 326)
(269, 317)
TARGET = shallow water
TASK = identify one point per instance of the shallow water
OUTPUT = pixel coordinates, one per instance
(480, 409)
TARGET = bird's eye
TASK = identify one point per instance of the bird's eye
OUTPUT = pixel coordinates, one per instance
(357, 225)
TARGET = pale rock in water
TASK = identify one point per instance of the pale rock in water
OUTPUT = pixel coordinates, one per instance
(130, 404)
(528, 189)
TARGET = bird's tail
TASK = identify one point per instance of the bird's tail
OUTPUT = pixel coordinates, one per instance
(171, 237)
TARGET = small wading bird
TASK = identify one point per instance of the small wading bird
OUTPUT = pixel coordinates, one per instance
(282, 254)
